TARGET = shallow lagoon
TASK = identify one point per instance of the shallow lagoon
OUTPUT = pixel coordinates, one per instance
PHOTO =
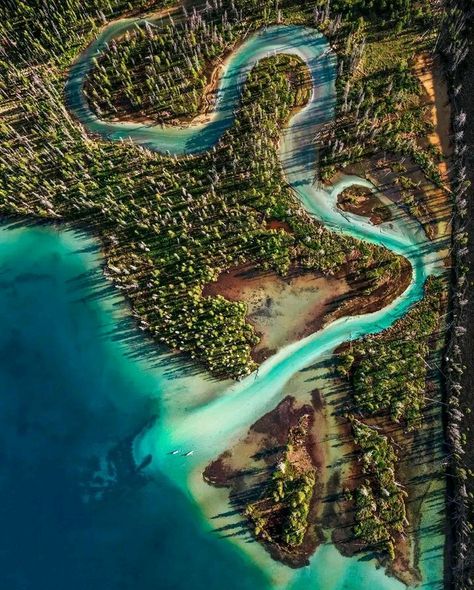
(74, 391)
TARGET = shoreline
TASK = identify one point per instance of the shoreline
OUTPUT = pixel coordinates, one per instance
(261, 447)
(329, 298)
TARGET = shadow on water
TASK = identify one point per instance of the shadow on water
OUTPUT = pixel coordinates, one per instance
(76, 510)
(95, 287)
(123, 330)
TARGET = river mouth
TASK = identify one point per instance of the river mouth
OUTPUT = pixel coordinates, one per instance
(211, 427)
(91, 395)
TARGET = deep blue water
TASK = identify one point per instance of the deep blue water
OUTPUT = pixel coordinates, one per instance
(70, 396)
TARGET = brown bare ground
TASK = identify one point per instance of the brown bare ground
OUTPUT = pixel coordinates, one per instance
(282, 310)
(246, 468)
(430, 74)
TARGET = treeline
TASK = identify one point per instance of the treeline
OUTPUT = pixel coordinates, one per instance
(387, 372)
(404, 11)
(455, 44)
(40, 30)
(387, 375)
(380, 513)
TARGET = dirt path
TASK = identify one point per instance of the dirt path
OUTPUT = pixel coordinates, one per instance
(430, 74)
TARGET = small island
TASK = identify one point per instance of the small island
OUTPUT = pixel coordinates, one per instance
(363, 201)
(280, 516)
(275, 476)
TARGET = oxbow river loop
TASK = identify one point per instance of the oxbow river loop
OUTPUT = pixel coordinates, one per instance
(214, 423)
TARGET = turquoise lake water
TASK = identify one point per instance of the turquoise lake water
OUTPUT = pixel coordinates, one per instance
(71, 395)
(77, 513)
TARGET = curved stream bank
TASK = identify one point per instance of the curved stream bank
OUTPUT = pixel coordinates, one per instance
(196, 414)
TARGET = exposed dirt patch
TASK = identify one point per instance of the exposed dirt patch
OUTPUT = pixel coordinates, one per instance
(282, 310)
(247, 468)
(362, 201)
(388, 288)
(430, 73)
(286, 309)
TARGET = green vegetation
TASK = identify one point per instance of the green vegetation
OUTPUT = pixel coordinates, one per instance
(385, 112)
(380, 106)
(160, 72)
(41, 32)
(280, 516)
(362, 201)
(406, 10)
(170, 226)
(388, 371)
(380, 514)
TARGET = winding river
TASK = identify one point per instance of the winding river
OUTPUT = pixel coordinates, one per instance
(197, 414)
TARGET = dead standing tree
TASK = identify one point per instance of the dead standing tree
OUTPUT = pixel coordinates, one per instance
(453, 44)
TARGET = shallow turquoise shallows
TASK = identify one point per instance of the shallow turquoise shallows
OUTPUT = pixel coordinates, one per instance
(84, 516)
